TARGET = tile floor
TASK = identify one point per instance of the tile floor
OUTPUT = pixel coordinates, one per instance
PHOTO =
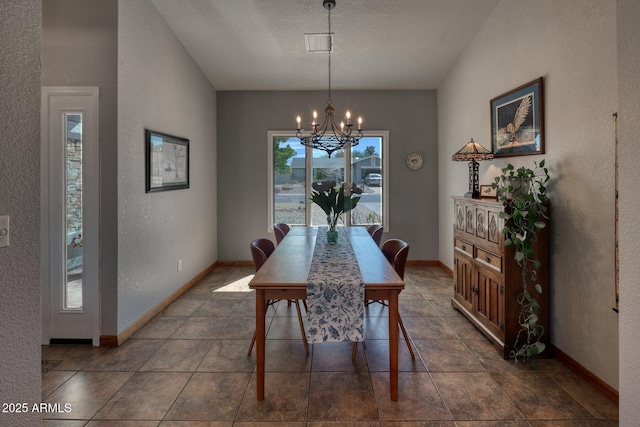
(189, 367)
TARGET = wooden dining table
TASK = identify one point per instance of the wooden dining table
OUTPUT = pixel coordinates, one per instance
(284, 276)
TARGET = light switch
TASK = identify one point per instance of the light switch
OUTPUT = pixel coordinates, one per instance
(4, 231)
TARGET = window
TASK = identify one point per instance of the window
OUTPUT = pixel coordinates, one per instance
(292, 166)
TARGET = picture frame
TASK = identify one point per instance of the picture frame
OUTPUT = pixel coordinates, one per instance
(517, 121)
(167, 161)
(487, 192)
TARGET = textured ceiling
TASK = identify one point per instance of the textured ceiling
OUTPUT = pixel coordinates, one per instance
(379, 44)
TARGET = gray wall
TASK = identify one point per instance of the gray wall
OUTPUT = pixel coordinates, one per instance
(20, 198)
(160, 87)
(572, 44)
(80, 48)
(244, 119)
(629, 159)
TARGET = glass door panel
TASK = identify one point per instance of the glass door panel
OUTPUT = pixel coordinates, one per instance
(289, 181)
(72, 292)
(293, 167)
(367, 173)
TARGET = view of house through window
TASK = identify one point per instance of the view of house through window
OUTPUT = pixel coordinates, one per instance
(294, 166)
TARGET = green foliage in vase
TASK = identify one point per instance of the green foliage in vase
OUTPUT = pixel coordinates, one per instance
(334, 199)
(524, 194)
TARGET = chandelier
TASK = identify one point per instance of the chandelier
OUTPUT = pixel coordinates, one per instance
(330, 136)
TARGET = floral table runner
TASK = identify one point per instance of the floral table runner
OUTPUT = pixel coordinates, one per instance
(335, 292)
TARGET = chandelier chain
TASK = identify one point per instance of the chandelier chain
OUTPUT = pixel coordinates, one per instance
(330, 49)
(329, 136)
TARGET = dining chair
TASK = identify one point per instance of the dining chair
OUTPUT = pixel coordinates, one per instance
(280, 230)
(375, 231)
(261, 249)
(396, 252)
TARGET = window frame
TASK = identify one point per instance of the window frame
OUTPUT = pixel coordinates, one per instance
(271, 134)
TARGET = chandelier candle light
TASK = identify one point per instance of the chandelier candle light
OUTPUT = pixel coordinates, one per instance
(474, 152)
(329, 136)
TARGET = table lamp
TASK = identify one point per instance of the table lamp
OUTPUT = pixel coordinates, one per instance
(473, 152)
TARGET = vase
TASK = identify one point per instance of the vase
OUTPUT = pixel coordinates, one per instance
(520, 187)
(332, 236)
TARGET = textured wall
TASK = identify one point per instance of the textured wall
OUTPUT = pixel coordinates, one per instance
(629, 159)
(572, 44)
(20, 198)
(80, 48)
(244, 119)
(161, 88)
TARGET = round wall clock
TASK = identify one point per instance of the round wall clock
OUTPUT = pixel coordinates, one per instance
(414, 161)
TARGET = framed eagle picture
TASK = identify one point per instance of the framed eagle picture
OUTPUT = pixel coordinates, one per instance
(517, 121)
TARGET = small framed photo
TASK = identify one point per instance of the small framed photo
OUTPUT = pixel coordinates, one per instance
(167, 162)
(517, 121)
(486, 192)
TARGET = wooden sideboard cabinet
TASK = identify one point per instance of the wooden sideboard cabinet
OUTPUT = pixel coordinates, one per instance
(487, 280)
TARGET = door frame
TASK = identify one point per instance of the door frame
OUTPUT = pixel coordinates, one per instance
(50, 250)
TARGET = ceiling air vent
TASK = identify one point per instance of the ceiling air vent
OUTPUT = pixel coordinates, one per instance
(319, 42)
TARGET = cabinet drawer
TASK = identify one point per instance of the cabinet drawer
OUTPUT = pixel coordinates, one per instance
(485, 257)
(465, 247)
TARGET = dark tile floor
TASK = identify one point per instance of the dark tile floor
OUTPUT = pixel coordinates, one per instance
(189, 367)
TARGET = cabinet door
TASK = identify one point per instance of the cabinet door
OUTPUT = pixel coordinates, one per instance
(463, 275)
(490, 303)
(481, 218)
(459, 215)
(470, 219)
(494, 226)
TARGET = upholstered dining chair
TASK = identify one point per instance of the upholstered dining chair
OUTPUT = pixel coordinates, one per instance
(261, 249)
(396, 252)
(375, 231)
(280, 230)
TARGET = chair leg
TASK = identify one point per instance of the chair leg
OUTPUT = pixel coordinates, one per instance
(353, 352)
(406, 337)
(304, 336)
(253, 341)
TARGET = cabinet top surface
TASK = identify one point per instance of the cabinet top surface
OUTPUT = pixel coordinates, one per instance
(491, 202)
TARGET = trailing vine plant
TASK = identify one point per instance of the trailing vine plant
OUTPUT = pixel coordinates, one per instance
(523, 191)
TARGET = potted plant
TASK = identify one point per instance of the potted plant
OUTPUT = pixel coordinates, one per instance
(334, 200)
(524, 193)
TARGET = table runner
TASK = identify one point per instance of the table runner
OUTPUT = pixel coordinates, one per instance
(335, 292)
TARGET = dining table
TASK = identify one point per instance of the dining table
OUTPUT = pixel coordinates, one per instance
(285, 275)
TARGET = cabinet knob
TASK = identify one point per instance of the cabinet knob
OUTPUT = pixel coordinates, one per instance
(488, 260)
(464, 247)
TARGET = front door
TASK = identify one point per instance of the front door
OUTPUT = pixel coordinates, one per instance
(70, 214)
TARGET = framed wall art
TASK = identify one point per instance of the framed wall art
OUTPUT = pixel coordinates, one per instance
(517, 121)
(487, 192)
(167, 161)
